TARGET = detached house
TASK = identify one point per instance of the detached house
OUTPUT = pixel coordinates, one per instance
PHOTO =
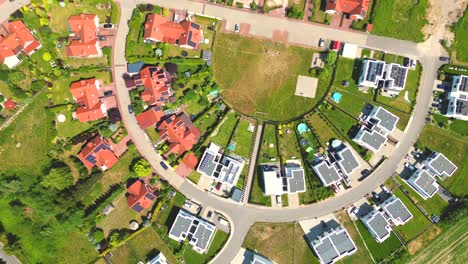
(86, 95)
(98, 152)
(84, 41)
(186, 34)
(19, 40)
(157, 84)
(179, 132)
(150, 117)
(140, 196)
(356, 9)
(390, 78)
(458, 98)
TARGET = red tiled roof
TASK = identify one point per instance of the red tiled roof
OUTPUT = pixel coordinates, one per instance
(9, 104)
(150, 117)
(190, 160)
(19, 39)
(141, 196)
(179, 131)
(86, 94)
(156, 82)
(158, 28)
(98, 152)
(85, 30)
(352, 7)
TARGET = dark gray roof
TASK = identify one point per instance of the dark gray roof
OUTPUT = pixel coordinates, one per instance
(425, 181)
(203, 235)
(373, 139)
(347, 160)
(463, 83)
(236, 194)
(374, 69)
(397, 209)
(327, 173)
(326, 251)
(398, 74)
(386, 119)
(461, 106)
(207, 164)
(296, 183)
(378, 224)
(342, 242)
(180, 225)
(441, 165)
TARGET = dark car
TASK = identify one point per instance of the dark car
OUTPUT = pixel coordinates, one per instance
(218, 186)
(163, 164)
(441, 86)
(447, 59)
(108, 25)
(435, 105)
(209, 214)
(107, 93)
(130, 109)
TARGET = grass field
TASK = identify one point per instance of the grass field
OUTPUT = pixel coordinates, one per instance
(258, 77)
(269, 145)
(456, 125)
(449, 247)
(280, 242)
(222, 134)
(190, 256)
(322, 129)
(362, 255)
(176, 202)
(390, 16)
(378, 250)
(141, 248)
(417, 224)
(454, 148)
(460, 44)
(242, 139)
(288, 145)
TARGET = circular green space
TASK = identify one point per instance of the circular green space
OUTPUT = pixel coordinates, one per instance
(258, 77)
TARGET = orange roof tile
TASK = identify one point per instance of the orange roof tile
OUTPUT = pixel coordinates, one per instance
(180, 132)
(141, 196)
(156, 82)
(86, 94)
(19, 39)
(84, 27)
(98, 152)
(150, 117)
(352, 7)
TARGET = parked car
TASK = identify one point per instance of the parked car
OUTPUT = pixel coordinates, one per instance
(409, 166)
(102, 38)
(321, 42)
(237, 28)
(223, 221)
(218, 186)
(187, 205)
(336, 46)
(108, 25)
(209, 214)
(441, 86)
(435, 105)
(130, 109)
(278, 199)
(354, 210)
(412, 64)
(107, 93)
(334, 188)
(164, 165)
(384, 188)
(339, 185)
(447, 59)
(365, 173)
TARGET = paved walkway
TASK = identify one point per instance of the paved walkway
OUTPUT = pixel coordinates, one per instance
(252, 164)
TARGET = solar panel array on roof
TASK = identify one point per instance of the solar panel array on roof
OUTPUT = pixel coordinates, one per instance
(374, 69)
(461, 107)
(464, 84)
(195, 26)
(91, 159)
(150, 196)
(189, 40)
(152, 70)
(101, 146)
(398, 74)
(137, 207)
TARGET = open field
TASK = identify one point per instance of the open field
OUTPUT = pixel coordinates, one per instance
(362, 255)
(223, 133)
(378, 250)
(460, 44)
(455, 148)
(269, 146)
(280, 242)
(390, 16)
(449, 247)
(242, 139)
(417, 224)
(142, 247)
(258, 77)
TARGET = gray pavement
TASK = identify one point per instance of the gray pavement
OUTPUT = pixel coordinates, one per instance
(7, 258)
(301, 33)
(253, 158)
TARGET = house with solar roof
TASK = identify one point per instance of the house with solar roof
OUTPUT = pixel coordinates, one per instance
(179, 133)
(98, 152)
(140, 196)
(458, 98)
(197, 231)
(391, 78)
(157, 85)
(289, 181)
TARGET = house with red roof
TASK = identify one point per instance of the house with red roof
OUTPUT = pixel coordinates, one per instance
(19, 40)
(83, 35)
(140, 196)
(150, 117)
(86, 95)
(179, 132)
(98, 152)
(356, 9)
(187, 165)
(9, 104)
(186, 34)
(157, 84)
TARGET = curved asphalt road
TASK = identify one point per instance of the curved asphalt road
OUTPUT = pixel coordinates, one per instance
(243, 216)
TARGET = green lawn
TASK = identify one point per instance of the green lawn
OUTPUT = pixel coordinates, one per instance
(378, 250)
(71, 127)
(417, 224)
(269, 147)
(454, 148)
(318, 15)
(207, 120)
(177, 201)
(460, 44)
(256, 192)
(152, 134)
(141, 248)
(256, 80)
(456, 125)
(224, 130)
(242, 139)
(191, 256)
(434, 205)
(324, 131)
(280, 242)
(288, 145)
(390, 16)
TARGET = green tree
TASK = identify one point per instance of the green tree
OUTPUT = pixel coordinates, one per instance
(331, 57)
(253, 6)
(58, 178)
(98, 235)
(295, 12)
(2, 98)
(16, 77)
(142, 168)
(324, 73)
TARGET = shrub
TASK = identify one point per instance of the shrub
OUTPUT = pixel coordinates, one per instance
(142, 168)
(295, 12)
(331, 57)
(46, 56)
(2, 98)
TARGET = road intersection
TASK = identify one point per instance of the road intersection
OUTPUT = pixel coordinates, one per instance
(301, 33)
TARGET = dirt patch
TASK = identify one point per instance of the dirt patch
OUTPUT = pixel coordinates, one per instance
(244, 28)
(415, 245)
(442, 14)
